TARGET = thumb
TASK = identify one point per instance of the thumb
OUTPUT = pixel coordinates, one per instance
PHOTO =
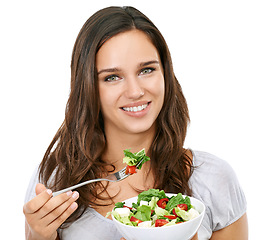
(39, 188)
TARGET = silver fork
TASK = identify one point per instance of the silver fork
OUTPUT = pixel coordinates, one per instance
(114, 177)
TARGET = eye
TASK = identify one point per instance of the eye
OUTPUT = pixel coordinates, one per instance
(112, 78)
(147, 71)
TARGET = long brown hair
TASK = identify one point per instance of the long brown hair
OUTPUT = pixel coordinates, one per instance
(74, 154)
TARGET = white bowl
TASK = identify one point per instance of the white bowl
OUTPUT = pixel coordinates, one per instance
(182, 231)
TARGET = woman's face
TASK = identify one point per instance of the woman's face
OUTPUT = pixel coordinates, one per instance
(131, 83)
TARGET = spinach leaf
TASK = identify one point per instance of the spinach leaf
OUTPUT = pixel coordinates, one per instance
(119, 204)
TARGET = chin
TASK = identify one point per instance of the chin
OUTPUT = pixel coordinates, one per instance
(141, 128)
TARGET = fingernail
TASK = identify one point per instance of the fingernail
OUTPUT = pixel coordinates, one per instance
(69, 193)
(73, 205)
(49, 191)
(75, 195)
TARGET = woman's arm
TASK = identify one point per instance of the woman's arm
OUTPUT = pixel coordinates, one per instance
(195, 237)
(236, 231)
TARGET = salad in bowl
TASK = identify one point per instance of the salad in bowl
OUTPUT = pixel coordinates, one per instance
(160, 215)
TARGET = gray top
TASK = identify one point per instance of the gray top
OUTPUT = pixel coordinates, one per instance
(213, 182)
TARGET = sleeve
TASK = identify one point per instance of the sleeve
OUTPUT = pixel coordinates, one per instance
(229, 202)
(30, 192)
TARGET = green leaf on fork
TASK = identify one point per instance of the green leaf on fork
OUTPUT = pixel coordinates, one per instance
(133, 159)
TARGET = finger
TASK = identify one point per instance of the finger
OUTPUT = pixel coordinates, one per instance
(37, 202)
(39, 188)
(56, 203)
(55, 224)
(62, 218)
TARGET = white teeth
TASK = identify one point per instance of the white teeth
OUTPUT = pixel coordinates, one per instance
(135, 109)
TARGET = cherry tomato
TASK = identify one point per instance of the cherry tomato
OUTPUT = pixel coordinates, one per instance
(183, 206)
(162, 202)
(170, 216)
(134, 219)
(160, 222)
(131, 169)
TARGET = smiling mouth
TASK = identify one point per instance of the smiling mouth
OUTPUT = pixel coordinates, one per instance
(135, 108)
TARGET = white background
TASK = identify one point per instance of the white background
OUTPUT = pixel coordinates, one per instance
(222, 56)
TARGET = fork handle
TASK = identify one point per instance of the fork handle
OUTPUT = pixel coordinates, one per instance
(80, 185)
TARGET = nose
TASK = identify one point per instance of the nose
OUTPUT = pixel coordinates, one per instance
(134, 89)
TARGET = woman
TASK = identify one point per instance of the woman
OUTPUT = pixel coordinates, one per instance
(124, 94)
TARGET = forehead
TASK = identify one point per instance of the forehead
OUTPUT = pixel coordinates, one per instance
(130, 47)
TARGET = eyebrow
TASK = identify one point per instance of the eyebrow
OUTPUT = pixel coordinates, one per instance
(143, 64)
(115, 69)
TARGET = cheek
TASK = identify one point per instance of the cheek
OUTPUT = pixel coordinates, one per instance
(159, 88)
(104, 98)
(108, 97)
(161, 92)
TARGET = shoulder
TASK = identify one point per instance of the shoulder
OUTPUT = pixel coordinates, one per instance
(211, 166)
(212, 176)
(214, 182)
(34, 180)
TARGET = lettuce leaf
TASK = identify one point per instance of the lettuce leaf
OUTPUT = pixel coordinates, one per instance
(143, 213)
(183, 214)
(160, 211)
(147, 195)
(124, 220)
(178, 199)
(153, 202)
(132, 159)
